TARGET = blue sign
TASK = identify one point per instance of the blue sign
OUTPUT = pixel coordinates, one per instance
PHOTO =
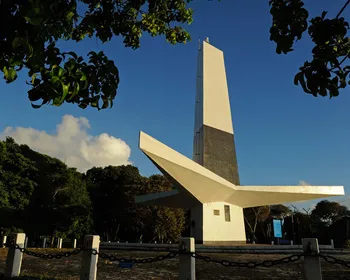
(125, 265)
(277, 228)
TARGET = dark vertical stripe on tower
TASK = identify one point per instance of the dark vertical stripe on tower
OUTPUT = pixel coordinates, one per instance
(219, 153)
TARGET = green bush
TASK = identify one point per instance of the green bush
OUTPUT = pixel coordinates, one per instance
(347, 243)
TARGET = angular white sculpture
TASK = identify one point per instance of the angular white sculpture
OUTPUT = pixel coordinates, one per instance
(209, 185)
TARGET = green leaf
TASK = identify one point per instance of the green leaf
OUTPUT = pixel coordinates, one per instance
(83, 105)
(33, 21)
(75, 92)
(73, 54)
(333, 91)
(297, 77)
(60, 72)
(14, 61)
(30, 51)
(69, 16)
(10, 74)
(17, 42)
(65, 90)
(52, 72)
(70, 65)
(323, 91)
(57, 101)
(35, 106)
(92, 54)
(94, 101)
(83, 76)
(54, 80)
(33, 78)
(83, 79)
(105, 104)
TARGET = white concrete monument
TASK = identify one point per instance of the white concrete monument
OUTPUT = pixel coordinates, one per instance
(209, 184)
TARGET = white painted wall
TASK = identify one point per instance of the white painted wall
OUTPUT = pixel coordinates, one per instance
(216, 102)
(209, 227)
(215, 228)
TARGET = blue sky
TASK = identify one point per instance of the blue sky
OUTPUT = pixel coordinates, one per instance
(283, 135)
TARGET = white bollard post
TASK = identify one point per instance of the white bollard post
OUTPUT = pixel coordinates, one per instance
(74, 243)
(291, 242)
(4, 239)
(332, 243)
(312, 264)
(26, 242)
(14, 256)
(44, 242)
(89, 260)
(187, 264)
(59, 243)
(272, 242)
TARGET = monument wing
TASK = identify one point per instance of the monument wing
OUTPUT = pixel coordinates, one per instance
(194, 182)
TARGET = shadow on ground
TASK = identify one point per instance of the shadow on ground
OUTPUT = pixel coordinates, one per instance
(2, 277)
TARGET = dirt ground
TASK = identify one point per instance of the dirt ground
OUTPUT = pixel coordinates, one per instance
(68, 268)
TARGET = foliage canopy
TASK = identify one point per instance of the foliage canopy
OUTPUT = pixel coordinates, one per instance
(43, 197)
(30, 30)
(325, 74)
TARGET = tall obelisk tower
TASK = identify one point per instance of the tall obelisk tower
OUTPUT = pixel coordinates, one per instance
(214, 149)
(214, 146)
(215, 201)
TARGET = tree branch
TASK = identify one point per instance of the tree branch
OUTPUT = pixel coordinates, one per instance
(56, 192)
(251, 229)
(342, 9)
(344, 57)
(340, 63)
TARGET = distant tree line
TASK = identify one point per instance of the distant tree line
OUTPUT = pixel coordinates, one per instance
(41, 196)
(328, 220)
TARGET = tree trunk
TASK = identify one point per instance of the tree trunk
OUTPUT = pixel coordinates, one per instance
(52, 241)
(250, 227)
(263, 230)
(116, 232)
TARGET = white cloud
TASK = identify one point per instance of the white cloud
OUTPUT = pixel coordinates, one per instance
(72, 144)
(308, 204)
(303, 183)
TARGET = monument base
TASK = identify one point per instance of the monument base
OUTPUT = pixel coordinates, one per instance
(218, 224)
(222, 243)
